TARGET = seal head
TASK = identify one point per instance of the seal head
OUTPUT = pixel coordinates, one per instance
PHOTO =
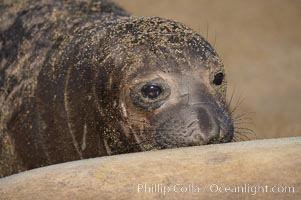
(158, 85)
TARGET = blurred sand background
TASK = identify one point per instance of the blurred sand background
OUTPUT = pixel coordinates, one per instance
(260, 45)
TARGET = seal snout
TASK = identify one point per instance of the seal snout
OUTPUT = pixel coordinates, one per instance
(207, 125)
(214, 126)
(194, 125)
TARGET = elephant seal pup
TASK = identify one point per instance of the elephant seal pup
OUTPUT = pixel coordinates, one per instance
(81, 79)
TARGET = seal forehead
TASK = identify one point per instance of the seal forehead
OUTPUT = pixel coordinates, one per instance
(160, 34)
(153, 41)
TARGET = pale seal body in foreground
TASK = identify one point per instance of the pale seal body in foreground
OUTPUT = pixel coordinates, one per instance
(238, 170)
(81, 79)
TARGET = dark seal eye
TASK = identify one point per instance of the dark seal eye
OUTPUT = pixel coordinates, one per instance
(150, 95)
(151, 91)
(218, 78)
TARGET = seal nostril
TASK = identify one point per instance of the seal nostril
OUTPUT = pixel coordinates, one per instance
(205, 122)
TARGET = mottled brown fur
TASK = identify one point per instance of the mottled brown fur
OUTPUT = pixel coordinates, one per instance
(66, 68)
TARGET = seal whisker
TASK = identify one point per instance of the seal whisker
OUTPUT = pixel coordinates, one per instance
(242, 137)
(244, 128)
(244, 119)
(243, 133)
(240, 119)
(242, 115)
(214, 42)
(242, 122)
(207, 31)
(231, 98)
(238, 104)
